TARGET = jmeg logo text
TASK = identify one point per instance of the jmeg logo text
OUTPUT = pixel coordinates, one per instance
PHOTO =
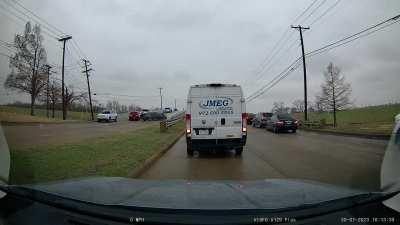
(212, 103)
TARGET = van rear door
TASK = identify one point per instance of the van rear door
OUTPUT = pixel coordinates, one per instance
(216, 112)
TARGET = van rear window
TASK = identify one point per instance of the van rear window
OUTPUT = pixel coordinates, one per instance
(285, 117)
(267, 114)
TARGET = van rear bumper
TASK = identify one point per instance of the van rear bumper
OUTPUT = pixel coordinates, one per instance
(219, 143)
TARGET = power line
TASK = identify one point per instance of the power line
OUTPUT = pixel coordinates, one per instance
(41, 19)
(287, 50)
(395, 19)
(294, 65)
(325, 12)
(79, 50)
(255, 93)
(309, 6)
(310, 54)
(3, 54)
(45, 29)
(8, 48)
(284, 39)
(288, 70)
(48, 29)
(312, 12)
(12, 15)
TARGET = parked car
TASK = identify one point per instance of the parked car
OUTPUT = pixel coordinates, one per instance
(153, 116)
(260, 120)
(282, 122)
(107, 116)
(167, 110)
(250, 118)
(216, 118)
(143, 111)
(134, 116)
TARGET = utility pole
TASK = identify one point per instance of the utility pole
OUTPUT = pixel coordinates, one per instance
(161, 98)
(47, 89)
(64, 110)
(174, 104)
(87, 63)
(300, 28)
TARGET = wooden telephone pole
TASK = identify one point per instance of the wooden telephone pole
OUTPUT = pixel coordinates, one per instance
(47, 89)
(161, 98)
(64, 110)
(86, 71)
(300, 28)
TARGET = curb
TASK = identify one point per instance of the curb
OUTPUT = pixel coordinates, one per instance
(150, 161)
(338, 133)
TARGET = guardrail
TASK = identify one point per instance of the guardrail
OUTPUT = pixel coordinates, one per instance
(171, 120)
(312, 124)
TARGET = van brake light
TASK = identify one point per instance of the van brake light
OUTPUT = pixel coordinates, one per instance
(188, 123)
(244, 122)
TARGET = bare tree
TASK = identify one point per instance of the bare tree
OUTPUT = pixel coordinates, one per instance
(54, 95)
(279, 107)
(335, 94)
(319, 106)
(298, 105)
(27, 65)
(71, 97)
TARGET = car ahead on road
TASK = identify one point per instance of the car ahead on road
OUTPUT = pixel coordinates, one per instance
(134, 116)
(167, 110)
(261, 118)
(250, 118)
(216, 118)
(153, 116)
(282, 122)
(144, 111)
(107, 116)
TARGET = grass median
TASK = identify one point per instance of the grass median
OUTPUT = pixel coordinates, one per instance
(116, 155)
(372, 120)
(22, 114)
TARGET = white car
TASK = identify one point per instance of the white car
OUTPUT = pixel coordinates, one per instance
(216, 118)
(107, 116)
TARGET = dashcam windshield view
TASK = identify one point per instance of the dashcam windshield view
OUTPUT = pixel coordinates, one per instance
(199, 112)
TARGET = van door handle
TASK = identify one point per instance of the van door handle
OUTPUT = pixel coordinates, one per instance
(223, 121)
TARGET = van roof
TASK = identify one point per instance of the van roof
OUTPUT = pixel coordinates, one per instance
(214, 85)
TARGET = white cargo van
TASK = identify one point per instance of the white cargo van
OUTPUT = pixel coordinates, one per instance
(216, 118)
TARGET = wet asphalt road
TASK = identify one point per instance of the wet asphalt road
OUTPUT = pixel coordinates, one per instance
(26, 135)
(345, 161)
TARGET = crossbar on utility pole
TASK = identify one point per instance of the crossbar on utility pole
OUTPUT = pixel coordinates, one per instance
(64, 114)
(87, 63)
(300, 28)
(48, 67)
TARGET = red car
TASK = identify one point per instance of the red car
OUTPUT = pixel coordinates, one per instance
(134, 116)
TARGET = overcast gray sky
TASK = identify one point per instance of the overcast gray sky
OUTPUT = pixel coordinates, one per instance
(137, 46)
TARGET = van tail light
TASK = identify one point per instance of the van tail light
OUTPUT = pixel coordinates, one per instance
(188, 119)
(244, 122)
(279, 123)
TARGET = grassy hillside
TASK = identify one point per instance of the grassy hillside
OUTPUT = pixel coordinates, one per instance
(115, 155)
(372, 119)
(22, 114)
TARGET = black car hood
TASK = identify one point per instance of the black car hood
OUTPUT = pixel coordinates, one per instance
(184, 194)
